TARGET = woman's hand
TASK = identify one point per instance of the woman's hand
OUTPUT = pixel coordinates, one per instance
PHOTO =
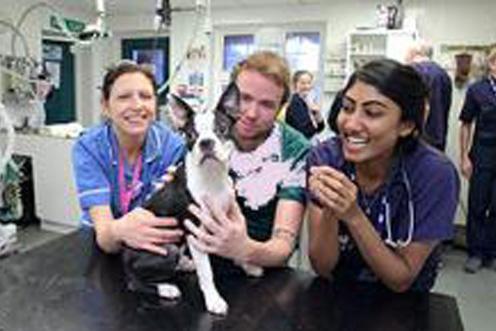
(221, 233)
(141, 229)
(466, 166)
(315, 110)
(335, 191)
(315, 114)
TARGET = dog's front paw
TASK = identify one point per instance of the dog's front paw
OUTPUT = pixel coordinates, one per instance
(216, 304)
(168, 291)
(185, 264)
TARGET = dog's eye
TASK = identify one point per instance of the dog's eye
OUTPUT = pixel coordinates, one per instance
(222, 125)
(222, 130)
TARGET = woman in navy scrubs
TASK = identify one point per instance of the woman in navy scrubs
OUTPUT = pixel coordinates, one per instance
(382, 200)
(302, 113)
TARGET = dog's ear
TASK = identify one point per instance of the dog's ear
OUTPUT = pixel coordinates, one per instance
(182, 118)
(179, 111)
(227, 110)
(229, 101)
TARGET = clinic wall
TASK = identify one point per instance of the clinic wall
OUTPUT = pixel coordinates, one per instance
(10, 12)
(35, 22)
(457, 21)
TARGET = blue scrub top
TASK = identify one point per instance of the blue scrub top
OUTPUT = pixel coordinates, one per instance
(95, 162)
(440, 96)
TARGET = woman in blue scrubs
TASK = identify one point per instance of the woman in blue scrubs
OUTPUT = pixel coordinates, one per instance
(118, 163)
(382, 200)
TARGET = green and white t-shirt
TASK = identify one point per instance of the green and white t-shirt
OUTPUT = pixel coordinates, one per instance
(274, 170)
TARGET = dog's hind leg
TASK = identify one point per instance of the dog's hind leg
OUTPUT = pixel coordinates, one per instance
(168, 291)
(214, 302)
(252, 270)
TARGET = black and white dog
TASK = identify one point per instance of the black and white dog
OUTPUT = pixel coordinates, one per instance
(204, 173)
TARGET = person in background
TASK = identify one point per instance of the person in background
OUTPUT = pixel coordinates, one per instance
(419, 55)
(268, 170)
(478, 165)
(118, 163)
(302, 112)
(382, 200)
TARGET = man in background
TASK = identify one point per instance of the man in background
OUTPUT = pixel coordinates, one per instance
(437, 79)
(478, 165)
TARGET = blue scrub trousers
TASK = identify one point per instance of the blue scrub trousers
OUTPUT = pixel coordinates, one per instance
(481, 220)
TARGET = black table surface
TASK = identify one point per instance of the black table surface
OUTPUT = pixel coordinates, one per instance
(69, 285)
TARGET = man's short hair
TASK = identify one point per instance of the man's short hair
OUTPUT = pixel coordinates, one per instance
(420, 48)
(270, 65)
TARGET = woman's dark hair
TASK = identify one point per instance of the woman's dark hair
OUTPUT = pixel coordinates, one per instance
(297, 75)
(125, 67)
(403, 85)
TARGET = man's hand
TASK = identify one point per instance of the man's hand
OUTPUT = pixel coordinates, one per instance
(221, 233)
(141, 229)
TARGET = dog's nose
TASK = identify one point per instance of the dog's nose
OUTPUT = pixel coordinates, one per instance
(207, 144)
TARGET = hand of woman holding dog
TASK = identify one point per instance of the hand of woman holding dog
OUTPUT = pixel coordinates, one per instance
(141, 229)
(221, 233)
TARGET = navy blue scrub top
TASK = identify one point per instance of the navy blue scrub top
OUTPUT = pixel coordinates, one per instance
(480, 106)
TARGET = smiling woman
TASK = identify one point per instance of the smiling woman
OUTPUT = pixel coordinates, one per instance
(118, 163)
(382, 200)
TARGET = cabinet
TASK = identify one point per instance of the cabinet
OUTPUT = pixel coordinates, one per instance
(334, 73)
(55, 193)
(364, 46)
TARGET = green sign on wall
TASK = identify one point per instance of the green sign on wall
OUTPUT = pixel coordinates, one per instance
(71, 25)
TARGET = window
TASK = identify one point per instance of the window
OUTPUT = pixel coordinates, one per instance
(300, 44)
(236, 48)
(151, 51)
(302, 50)
(155, 58)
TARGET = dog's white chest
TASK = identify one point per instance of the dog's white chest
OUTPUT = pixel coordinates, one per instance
(221, 191)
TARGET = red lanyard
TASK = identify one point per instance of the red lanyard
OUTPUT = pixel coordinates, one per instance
(125, 193)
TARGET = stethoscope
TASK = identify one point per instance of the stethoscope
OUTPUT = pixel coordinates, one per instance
(389, 240)
(411, 216)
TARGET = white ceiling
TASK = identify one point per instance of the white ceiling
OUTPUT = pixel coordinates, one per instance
(147, 6)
